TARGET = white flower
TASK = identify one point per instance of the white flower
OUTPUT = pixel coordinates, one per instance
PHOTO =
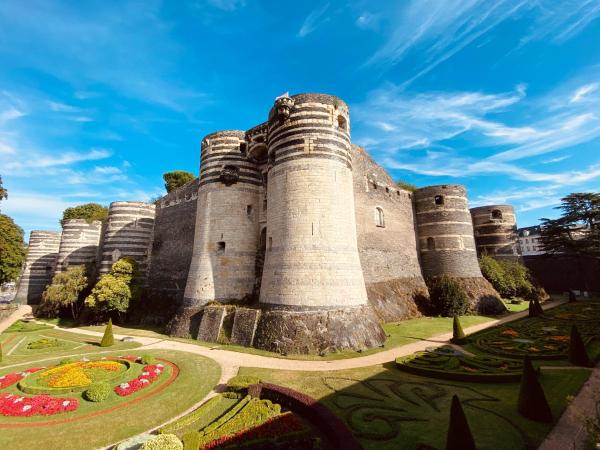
(145, 374)
(124, 385)
(66, 403)
(156, 370)
(18, 400)
(160, 366)
(26, 408)
(84, 359)
(2, 377)
(143, 380)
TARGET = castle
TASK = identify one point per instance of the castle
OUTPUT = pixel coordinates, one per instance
(292, 239)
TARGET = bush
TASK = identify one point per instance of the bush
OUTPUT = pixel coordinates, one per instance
(448, 298)
(458, 335)
(577, 352)
(532, 400)
(163, 442)
(148, 359)
(115, 290)
(240, 383)
(108, 339)
(97, 392)
(509, 278)
(205, 410)
(43, 343)
(232, 395)
(191, 440)
(459, 434)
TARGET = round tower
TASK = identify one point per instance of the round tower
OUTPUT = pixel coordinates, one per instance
(226, 236)
(39, 268)
(313, 290)
(496, 231)
(127, 232)
(78, 243)
(447, 244)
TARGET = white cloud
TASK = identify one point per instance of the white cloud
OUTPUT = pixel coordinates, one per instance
(557, 159)
(63, 159)
(227, 5)
(580, 93)
(62, 107)
(368, 21)
(312, 21)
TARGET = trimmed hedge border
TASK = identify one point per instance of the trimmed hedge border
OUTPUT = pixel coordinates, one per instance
(189, 419)
(332, 427)
(57, 391)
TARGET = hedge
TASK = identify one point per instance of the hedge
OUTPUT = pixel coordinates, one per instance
(332, 427)
(98, 392)
(183, 422)
(163, 442)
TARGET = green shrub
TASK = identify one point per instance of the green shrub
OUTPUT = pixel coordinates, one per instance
(448, 298)
(577, 352)
(43, 343)
(240, 383)
(108, 339)
(117, 289)
(207, 409)
(232, 395)
(191, 440)
(459, 434)
(458, 335)
(163, 442)
(532, 400)
(509, 278)
(148, 359)
(66, 289)
(97, 392)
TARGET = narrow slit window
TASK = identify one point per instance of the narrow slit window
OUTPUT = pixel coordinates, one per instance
(342, 123)
(270, 243)
(264, 204)
(220, 247)
(379, 217)
(249, 210)
(439, 199)
(430, 243)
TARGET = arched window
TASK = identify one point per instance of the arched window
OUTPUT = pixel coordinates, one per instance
(220, 247)
(430, 243)
(342, 123)
(496, 214)
(379, 217)
(439, 199)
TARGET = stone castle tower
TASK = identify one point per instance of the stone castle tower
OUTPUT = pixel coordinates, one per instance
(496, 231)
(79, 243)
(292, 239)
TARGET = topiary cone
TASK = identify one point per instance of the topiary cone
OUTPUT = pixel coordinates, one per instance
(458, 335)
(538, 306)
(532, 401)
(459, 434)
(577, 351)
(532, 309)
(108, 338)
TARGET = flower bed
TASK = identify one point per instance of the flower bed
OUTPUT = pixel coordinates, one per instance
(38, 405)
(11, 378)
(150, 373)
(461, 367)
(72, 377)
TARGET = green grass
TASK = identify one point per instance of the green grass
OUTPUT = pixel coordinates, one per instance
(516, 307)
(389, 409)
(197, 377)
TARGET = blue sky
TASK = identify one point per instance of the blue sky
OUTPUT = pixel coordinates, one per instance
(98, 99)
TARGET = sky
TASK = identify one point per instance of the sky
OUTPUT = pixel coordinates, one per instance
(98, 99)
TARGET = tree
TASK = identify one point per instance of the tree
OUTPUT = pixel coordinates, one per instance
(176, 179)
(448, 298)
(509, 278)
(458, 335)
(115, 290)
(577, 352)
(459, 434)
(12, 249)
(576, 232)
(66, 288)
(532, 400)
(108, 339)
(87, 211)
(3, 191)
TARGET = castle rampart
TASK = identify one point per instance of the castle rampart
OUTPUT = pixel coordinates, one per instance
(78, 243)
(39, 268)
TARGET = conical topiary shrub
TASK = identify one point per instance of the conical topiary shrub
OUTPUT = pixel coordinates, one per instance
(532, 401)
(532, 309)
(538, 306)
(577, 351)
(459, 434)
(108, 339)
(458, 335)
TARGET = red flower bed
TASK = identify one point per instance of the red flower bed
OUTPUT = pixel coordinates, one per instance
(150, 373)
(42, 405)
(274, 427)
(11, 378)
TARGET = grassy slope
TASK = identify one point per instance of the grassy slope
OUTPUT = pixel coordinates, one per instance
(197, 377)
(406, 413)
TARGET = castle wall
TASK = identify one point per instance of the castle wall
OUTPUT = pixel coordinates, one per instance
(312, 276)
(495, 228)
(447, 244)
(127, 232)
(387, 248)
(171, 254)
(78, 243)
(40, 264)
(226, 237)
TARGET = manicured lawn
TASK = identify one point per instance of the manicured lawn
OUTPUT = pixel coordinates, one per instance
(95, 425)
(389, 409)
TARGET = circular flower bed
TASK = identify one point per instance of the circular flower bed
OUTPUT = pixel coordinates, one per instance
(74, 376)
(150, 373)
(38, 405)
(11, 378)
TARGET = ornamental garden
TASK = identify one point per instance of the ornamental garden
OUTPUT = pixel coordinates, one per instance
(504, 387)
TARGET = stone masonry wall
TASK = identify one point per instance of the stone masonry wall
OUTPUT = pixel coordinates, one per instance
(40, 265)
(78, 243)
(495, 229)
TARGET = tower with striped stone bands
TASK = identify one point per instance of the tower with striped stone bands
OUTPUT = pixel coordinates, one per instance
(495, 229)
